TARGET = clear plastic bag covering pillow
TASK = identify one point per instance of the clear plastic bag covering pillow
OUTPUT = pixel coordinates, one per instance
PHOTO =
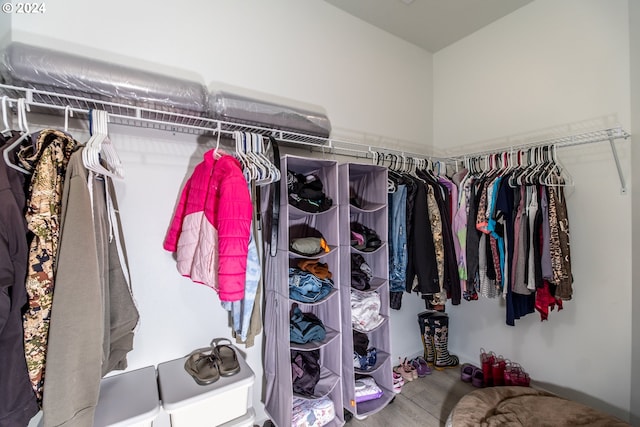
(230, 107)
(38, 68)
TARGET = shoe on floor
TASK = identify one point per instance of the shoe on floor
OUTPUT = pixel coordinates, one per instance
(466, 372)
(398, 382)
(403, 372)
(421, 366)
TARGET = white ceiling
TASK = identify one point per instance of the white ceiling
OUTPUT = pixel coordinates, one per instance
(430, 24)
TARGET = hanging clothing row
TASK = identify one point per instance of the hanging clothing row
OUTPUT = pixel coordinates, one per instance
(497, 230)
(421, 243)
(66, 327)
(422, 257)
(513, 229)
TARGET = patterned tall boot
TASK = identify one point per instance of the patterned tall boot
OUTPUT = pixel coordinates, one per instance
(439, 325)
(427, 336)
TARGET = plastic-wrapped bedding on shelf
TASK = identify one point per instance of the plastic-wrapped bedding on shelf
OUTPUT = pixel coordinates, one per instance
(50, 70)
(251, 110)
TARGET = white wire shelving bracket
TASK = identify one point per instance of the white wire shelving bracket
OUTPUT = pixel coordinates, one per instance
(601, 135)
(151, 116)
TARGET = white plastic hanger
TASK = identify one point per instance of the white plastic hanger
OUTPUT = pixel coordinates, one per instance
(216, 153)
(94, 141)
(246, 166)
(272, 173)
(23, 107)
(5, 116)
(109, 150)
(252, 140)
(101, 143)
(68, 112)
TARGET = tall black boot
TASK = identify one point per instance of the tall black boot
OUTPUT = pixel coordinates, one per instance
(439, 325)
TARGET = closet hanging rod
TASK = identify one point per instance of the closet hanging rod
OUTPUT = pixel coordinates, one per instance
(367, 151)
(601, 135)
(591, 137)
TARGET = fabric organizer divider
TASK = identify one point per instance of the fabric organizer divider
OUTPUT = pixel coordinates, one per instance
(58, 103)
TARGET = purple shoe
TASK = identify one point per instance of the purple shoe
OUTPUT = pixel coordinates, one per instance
(478, 378)
(466, 372)
(422, 368)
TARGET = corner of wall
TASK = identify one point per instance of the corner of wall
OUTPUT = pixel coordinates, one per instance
(634, 47)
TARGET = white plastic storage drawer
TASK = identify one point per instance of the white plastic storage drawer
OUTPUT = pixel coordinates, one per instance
(129, 399)
(193, 405)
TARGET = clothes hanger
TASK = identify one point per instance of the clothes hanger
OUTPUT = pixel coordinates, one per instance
(247, 143)
(265, 173)
(274, 172)
(216, 153)
(96, 135)
(247, 147)
(547, 165)
(24, 127)
(68, 112)
(531, 178)
(247, 167)
(507, 159)
(557, 175)
(516, 170)
(276, 175)
(111, 155)
(100, 143)
(526, 168)
(5, 120)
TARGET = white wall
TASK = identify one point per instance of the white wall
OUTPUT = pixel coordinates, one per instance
(5, 27)
(310, 51)
(634, 26)
(550, 68)
(367, 80)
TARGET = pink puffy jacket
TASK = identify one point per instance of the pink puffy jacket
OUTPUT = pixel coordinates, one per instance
(210, 228)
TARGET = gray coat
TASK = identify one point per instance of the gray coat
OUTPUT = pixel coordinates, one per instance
(93, 314)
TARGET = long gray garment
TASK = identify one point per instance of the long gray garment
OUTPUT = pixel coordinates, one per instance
(93, 315)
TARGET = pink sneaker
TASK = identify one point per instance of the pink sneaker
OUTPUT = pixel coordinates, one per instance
(398, 382)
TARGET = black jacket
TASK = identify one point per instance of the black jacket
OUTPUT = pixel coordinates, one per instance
(422, 259)
(18, 403)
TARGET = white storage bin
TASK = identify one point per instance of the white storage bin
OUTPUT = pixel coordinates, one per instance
(193, 405)
(129, 399)
(245, 420)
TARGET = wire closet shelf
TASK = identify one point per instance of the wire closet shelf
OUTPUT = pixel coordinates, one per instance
(152, 116)
(161, 117)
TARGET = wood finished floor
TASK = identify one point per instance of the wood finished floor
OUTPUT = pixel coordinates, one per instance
(424, 402)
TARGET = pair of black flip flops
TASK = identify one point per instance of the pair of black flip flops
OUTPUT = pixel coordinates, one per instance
(206, 365)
